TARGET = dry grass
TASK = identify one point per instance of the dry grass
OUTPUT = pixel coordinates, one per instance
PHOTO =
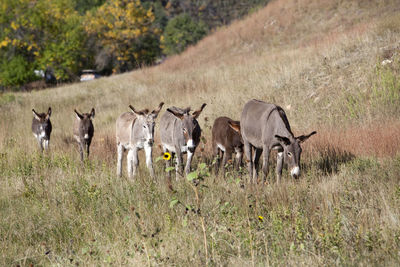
(319, 60)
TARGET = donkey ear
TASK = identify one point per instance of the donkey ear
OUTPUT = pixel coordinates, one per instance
(157, 110)
(92, 113)
(303, 138)
(35, 114)
(176, 114)
(196, 113)
(48, 113)
(140, 112)
(78, 115)
(283, 139)
(235, 125)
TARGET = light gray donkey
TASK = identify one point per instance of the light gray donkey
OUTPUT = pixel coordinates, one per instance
(265, 127)
(83, 131)
(180, 133)
(41, 128)
(135, 131)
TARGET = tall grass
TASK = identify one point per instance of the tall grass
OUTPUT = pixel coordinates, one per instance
(57, 212)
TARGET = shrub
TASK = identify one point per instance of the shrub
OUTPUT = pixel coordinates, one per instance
(180, 32)
(15, 71)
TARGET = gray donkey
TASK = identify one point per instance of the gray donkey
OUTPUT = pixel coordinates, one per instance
(180, 133)
(41, 128)
(135, 131)
(83, 131)
(265, 127)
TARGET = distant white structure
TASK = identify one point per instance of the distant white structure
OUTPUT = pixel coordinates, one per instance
(88, 75)
(39, 73)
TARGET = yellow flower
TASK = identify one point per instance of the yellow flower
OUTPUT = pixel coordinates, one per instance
(167, 156)
(261, 218)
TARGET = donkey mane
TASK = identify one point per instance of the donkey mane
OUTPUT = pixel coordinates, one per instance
(282, 114)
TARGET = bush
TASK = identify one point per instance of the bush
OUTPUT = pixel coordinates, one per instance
(16, 71)
(180, 32)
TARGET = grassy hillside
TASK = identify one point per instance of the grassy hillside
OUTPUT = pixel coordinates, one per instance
(320, 60)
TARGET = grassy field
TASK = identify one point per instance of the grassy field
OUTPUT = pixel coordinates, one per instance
(320, 60)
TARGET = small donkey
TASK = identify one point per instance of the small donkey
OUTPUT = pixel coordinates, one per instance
(83, 131)
(41, 128)
(226, 139)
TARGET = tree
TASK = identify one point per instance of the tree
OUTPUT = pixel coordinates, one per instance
(40, 34)
(125, 32)
(180, 32)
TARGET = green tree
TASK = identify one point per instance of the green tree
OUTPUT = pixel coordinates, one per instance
(44, 33)
(180, 32)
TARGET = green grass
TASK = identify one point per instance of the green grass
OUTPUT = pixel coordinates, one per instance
(57, 211)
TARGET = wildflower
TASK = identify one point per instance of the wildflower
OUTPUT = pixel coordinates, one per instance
(167, 156)
(261, 218)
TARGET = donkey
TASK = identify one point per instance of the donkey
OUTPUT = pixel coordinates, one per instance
(226, 139)
(135, 131)
(265, 127)
(180, 133)
(41, 128)
(83, 131)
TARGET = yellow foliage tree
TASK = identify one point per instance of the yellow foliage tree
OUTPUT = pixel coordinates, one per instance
(125, 30)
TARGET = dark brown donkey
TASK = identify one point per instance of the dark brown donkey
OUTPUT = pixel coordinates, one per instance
(41, 128)
(83, 131)
(226, 139)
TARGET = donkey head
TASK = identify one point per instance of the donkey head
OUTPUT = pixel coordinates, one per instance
(85, 125)
(292, 151)
(44, 124)
(146, 120)
(190, 126)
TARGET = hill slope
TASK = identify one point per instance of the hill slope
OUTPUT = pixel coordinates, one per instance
(317, 59)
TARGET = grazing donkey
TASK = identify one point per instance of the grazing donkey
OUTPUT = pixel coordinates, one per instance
(135, 131)
(226, 139)
(180, 133)
(265, 127)
(41, 128)
(83, 131)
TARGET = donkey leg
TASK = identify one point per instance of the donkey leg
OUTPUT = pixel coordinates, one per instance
(46, 144)
(179, 166)
(248, 152)
(265, 167)
(149, 161)
(81, 150)
(188, 162)
(135, 161)
(40, 143)
(239, 156)
(257, 155)
(120, 149)
(129, 162)
(88, 149)
(168, 163)
(279, 165)
(217, 159)
(227, 157)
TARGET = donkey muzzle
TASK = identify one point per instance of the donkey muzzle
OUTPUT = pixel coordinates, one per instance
(295, 172)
